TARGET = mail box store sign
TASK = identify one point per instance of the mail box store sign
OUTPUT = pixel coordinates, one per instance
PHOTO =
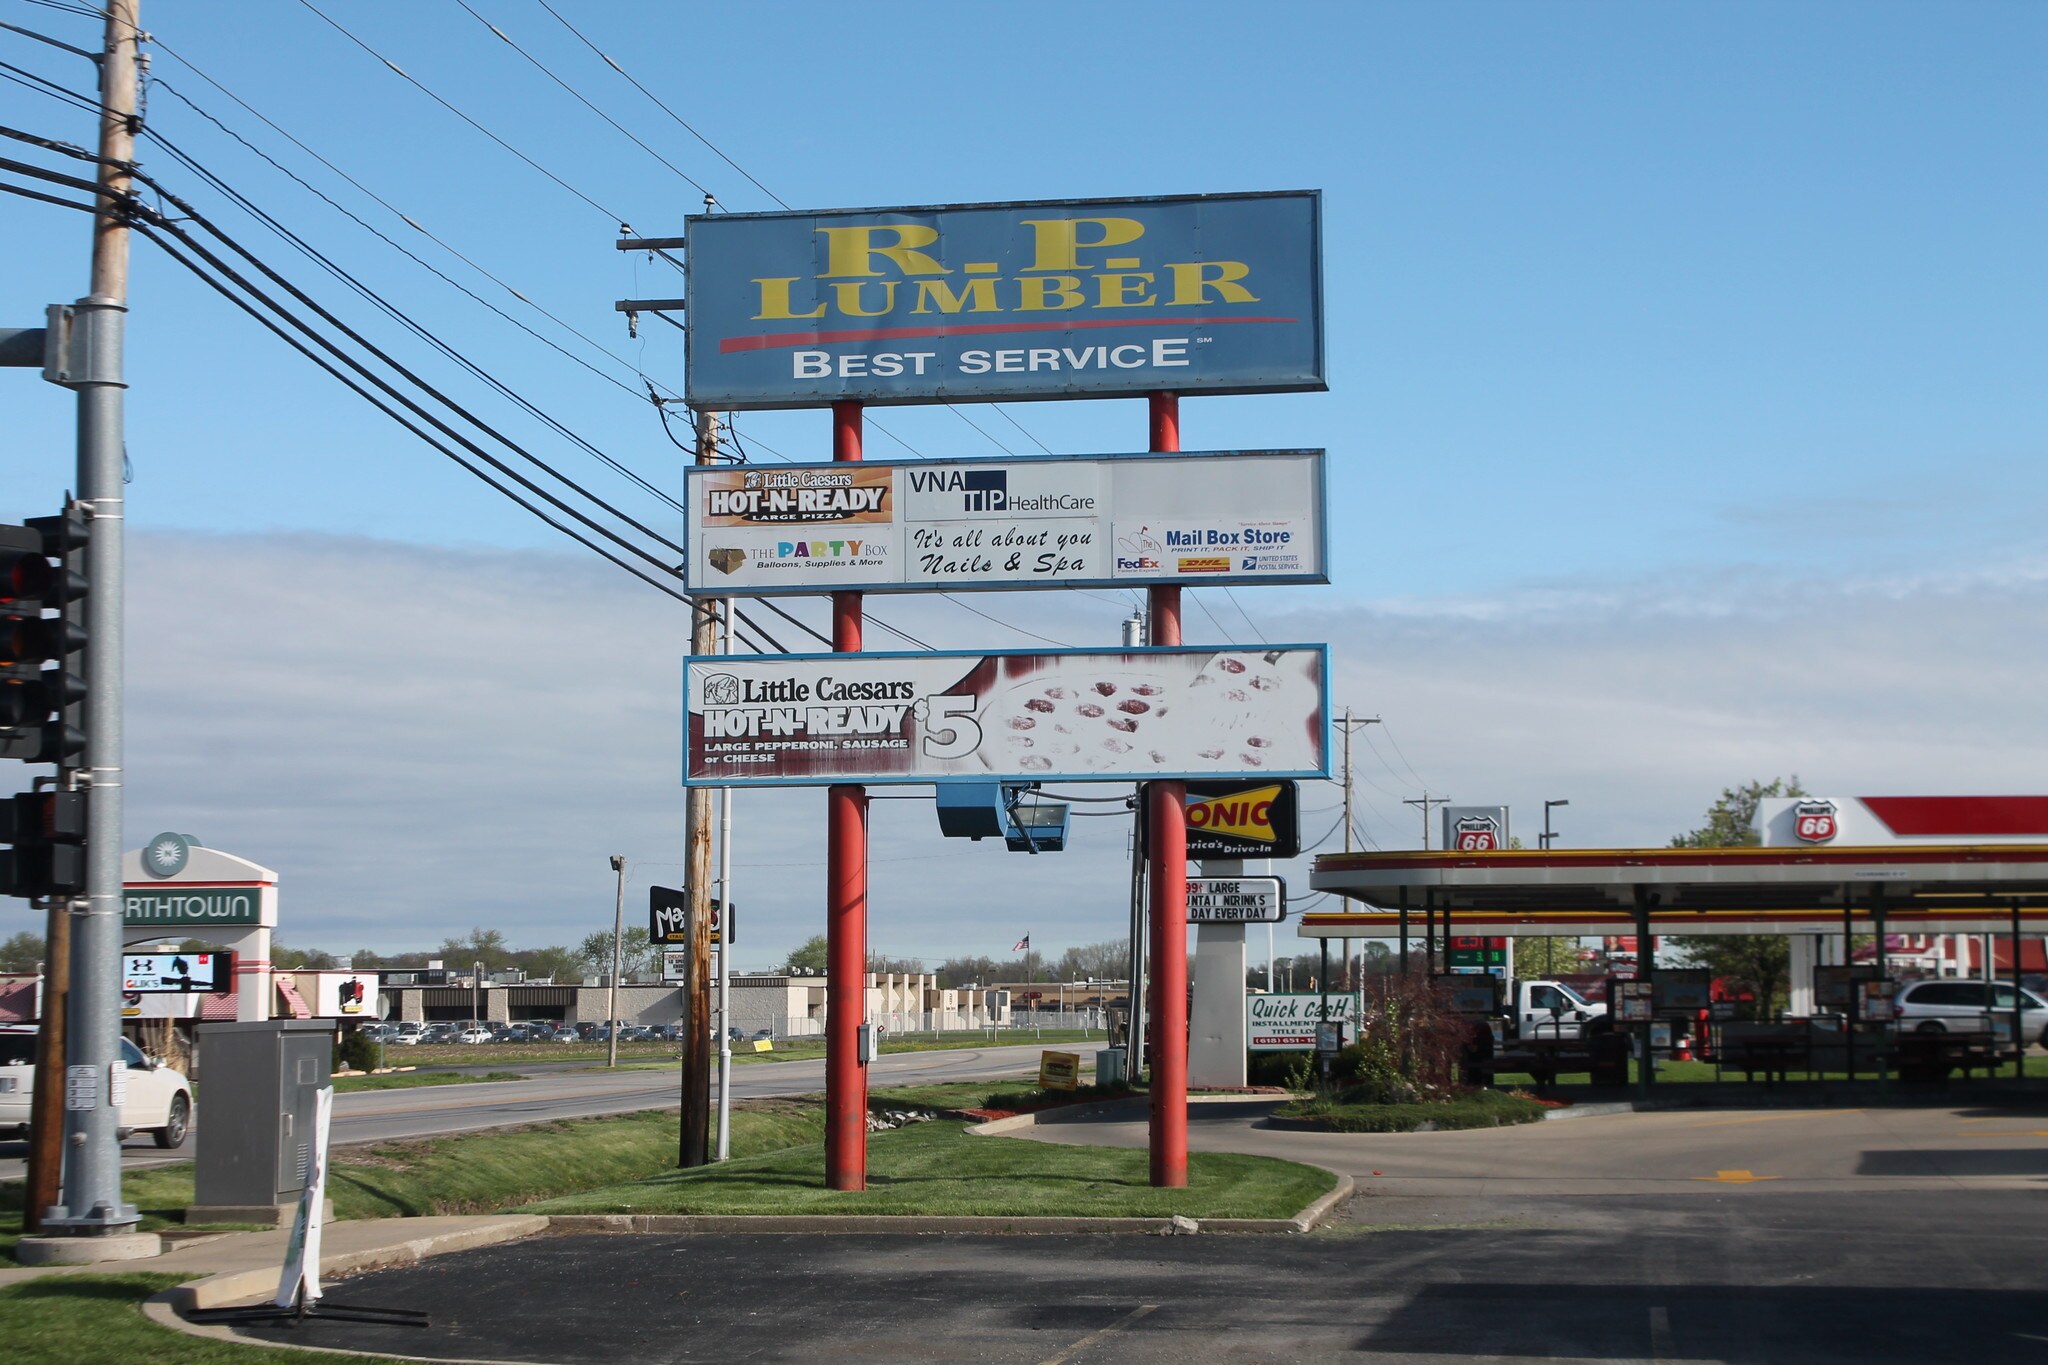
(1219, 294)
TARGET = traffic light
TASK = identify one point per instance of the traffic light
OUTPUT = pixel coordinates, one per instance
(40, 693)
(47, 829)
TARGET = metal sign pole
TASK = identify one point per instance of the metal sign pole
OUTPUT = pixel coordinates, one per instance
(1169, 875)
(846, 910)
(92, 1170)
(728, 929)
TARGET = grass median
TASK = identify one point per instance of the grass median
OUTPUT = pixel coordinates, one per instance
(413, 1080)
(94, 1319)
(937, 1168)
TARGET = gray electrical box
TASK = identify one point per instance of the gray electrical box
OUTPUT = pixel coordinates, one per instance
(261, 1081)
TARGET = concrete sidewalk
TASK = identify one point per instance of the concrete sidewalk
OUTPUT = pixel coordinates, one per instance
(245, 1266)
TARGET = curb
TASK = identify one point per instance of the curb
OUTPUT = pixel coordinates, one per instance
(1589, 1111)
(574, 1224)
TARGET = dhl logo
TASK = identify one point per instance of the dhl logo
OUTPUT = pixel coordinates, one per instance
(1241, 815)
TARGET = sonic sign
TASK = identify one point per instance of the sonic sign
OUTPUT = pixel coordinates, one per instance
(986, 302)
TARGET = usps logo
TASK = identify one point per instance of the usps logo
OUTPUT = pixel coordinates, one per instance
(1814, 822)
(1476, 834)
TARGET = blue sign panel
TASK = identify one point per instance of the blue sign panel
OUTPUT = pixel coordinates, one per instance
(986, 302)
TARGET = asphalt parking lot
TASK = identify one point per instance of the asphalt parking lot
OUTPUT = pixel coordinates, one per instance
(1947, 1266)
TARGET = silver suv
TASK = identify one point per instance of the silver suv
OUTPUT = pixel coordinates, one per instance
(1957, 1006)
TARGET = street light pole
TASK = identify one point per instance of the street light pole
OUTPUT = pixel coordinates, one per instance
(611, 1007)
(1547, 835)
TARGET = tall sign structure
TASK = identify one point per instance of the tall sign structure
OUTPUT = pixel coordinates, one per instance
(999, 302)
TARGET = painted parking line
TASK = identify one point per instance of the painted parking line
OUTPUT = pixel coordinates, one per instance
(1772, 1118)
(1084, 1343)
(1736, 1178)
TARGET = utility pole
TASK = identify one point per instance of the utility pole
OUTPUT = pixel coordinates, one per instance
(1348, 724)
(694, 1148)
(1425, 802)
(611, 1000)
(92, 1173)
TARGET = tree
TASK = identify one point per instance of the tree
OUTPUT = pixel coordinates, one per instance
(552, 963)
(1109, 960)
(807, 958)
(486, 946)
(636, 953)
(1763, 959)
(897, 966)
(956, 972)
(23, 952)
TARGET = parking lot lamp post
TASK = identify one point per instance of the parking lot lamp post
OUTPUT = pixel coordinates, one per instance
(1547, 835)
(611, 1006)
(476, 985)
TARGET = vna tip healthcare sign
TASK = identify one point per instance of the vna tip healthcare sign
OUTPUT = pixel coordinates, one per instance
(987, 302)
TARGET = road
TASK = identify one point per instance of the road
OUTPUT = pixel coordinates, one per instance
(557, 1090)
(1783, 1237)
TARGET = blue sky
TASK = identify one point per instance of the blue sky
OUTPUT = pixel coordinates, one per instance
(1645, 324)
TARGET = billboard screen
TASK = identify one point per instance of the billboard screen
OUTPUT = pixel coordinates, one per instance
(1108, 521)
(985, 302)
(1075, 715)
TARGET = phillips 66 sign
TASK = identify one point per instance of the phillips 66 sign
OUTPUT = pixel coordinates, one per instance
(979, 302)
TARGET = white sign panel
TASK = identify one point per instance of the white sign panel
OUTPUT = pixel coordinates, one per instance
(1110, 715)
(1236, 900)
(1057, 521)
(675, 964)
(343, 995)
(1281, 1023)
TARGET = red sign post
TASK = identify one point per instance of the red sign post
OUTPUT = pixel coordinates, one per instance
(1167, 838)
(846, 911)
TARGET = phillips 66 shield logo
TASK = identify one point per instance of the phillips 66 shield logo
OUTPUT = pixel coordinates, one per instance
(1814, 821)
(1476, 834)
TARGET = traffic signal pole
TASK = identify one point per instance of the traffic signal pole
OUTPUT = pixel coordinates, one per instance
(846, 910)
(92, 1170)
(1167, 839)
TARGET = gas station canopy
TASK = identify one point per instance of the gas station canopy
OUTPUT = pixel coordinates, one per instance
(1952, 888)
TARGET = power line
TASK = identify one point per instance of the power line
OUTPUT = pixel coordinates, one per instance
(409, 221)
(680, 120)
(543, 69)
(399, 316)
(1403, 757)
(419, 85)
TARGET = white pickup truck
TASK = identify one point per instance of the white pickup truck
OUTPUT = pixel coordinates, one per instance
(1551, 1010)
(156, 1099)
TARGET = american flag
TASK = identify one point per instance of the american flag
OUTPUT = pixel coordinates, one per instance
(1023, 945)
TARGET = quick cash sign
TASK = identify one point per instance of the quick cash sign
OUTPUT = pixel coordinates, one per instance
(985, 302)
(1112, 520)
(1083, 715)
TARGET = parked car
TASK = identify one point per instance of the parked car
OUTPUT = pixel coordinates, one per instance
(474, 1035)
(1948, 1005)
(158, 1099)
(399, 1038)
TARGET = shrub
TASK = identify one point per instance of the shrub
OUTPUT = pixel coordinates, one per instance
(357, 1052)
(1290, 1070)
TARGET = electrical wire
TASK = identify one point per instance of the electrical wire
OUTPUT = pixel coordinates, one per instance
(421, 86)
(161, 239)
(21, 76)
(1204, 606)
(48, 198)
(411, 378)
(1004, 624)
(1247, 616)
(543, 69)
(445, 278)
(370, 194)
(1403, 757)
(685, 125)
(408, 322)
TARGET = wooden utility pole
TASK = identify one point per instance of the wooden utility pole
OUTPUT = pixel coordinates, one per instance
(1426, 802)
(46, 1106)
(695, 1149)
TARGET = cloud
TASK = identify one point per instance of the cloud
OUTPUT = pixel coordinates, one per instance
(421, 739)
